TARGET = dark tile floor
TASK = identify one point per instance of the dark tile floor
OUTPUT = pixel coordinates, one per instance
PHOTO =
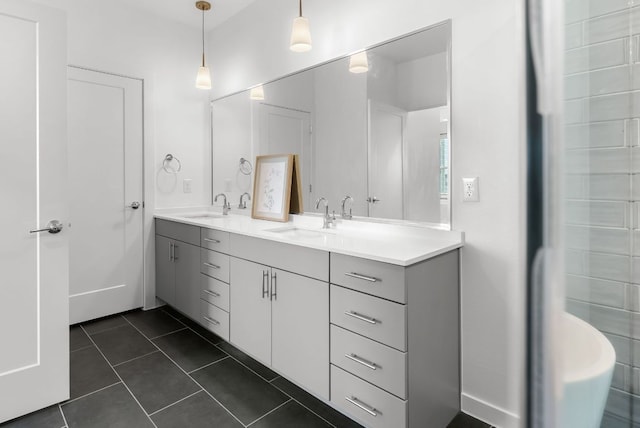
(159, 369)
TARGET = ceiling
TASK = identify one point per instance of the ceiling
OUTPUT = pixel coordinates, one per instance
(185, 12)
(424, 43)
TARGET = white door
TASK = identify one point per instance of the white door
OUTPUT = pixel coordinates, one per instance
(283, 130)
(34, 320)
(386, 135)
(105, 187)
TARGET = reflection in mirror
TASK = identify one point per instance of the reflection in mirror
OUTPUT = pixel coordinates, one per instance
(374, 126)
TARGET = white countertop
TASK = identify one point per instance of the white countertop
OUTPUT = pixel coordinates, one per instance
(397, 244)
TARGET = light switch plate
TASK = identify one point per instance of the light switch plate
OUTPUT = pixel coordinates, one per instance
(186, 185)
(470, 189)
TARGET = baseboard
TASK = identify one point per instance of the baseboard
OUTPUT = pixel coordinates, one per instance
(488, 413)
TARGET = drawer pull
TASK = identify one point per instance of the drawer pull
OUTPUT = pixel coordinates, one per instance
(361, 317)
(362, 277)
(215, 241)
(211, 265)
(211, 320)
(371, 410)
(354, 357)
(211, 293)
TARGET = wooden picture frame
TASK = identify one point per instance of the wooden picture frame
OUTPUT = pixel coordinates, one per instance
(272, 187)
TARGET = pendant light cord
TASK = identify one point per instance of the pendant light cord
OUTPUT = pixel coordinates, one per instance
(203, 36)
(301, 8)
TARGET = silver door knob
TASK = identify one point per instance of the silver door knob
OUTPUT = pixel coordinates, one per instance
(54, 226)
(372, 200)
(134, 205)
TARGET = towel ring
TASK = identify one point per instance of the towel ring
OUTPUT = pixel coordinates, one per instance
(166, 164)
(245, 166)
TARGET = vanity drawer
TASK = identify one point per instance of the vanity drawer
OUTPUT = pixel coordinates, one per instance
(179, 231)
(215, 292)
(379, 279)
(373, 406)
(214, 264)
(214, 240)
(372, 361)
(378, 319)
(214, 319)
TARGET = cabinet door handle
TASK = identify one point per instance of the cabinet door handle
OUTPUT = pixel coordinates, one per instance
(175, 252)
(215, 241)
(274, 287)
(362, 277)
(371, 410)
(170, 251)
(211, 293)
(354, 357)
(211, 320)
(211, 265)
(361, 317)
(265, 283)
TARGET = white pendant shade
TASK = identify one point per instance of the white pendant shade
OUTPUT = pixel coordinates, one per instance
(359, 63)
(203, 81)
(257, 93)
(300, 35)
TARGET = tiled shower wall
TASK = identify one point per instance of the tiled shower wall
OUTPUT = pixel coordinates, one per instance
(602, 92)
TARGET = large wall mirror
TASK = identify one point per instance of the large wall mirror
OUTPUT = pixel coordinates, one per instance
(373, 126)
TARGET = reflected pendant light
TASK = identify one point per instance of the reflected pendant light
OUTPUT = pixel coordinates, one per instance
(300, 35)
(203, 80)
(257, 93)
(359, 63)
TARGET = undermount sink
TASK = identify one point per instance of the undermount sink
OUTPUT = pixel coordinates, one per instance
(202, 216)
(299, 232)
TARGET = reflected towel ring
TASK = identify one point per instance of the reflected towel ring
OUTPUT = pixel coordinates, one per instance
(245, 166)
(166, 164)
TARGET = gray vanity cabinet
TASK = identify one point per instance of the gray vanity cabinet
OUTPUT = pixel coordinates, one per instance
(165, 270)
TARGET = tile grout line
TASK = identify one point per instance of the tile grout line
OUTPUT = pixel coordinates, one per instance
(171, 332)
(132, 359)
(297, 401)
(100, 331)
(192, 379)
(172, 404)
(81, 349)
(123, 383)
(270, 411)
(90, 393)
(64, 418)
(207, 365)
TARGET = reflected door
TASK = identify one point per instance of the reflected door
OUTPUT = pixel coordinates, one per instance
(105, 179)
(386, 135)
(283, 131)
(34, 321)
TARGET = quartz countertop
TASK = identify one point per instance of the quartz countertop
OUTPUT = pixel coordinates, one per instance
(398, 244)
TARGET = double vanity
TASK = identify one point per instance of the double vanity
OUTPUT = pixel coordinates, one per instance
(365, 316)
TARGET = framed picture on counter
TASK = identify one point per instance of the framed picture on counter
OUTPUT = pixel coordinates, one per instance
(272, 187)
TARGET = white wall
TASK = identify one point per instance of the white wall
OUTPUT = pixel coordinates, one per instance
(487, 141)
(107, 36)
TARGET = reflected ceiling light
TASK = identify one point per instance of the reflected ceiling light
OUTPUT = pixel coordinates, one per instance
(257, 93)
(203, 80)
(300, 34)
(359, 63)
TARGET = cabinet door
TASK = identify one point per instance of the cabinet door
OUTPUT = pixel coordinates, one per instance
(250, 309)
(187, 262)
(300, 330)
(165, 270)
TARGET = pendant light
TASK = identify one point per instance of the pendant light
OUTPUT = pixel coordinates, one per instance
(203, 80)
(257, 93)
(359, 63)
(300, 35)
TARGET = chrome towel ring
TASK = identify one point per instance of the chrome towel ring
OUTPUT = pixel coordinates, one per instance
(166, 164)
(245, 166)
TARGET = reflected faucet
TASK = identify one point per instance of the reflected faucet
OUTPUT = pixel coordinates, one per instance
(226, 207)
(328, 220)
(343, 213)
(243, 204)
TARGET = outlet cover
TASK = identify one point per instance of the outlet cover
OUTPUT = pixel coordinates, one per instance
(470, 189)
(186, 185)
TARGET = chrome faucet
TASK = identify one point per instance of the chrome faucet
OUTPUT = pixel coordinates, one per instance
(243, 204)
(226, 206)
(343, 213)
(327, 219)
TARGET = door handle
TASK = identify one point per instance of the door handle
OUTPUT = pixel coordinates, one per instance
(373, 200)
(274, 287)
(265, 283)
(134, 205)
(54, 226)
